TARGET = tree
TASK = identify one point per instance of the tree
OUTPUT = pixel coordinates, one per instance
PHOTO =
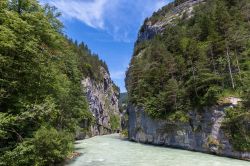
(207, 55)
(41, 99)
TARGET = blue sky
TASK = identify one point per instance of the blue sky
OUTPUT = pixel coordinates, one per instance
(108, 27)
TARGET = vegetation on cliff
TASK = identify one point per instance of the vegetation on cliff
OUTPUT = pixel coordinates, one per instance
(195, 62)
(237, 129)
(41, 98)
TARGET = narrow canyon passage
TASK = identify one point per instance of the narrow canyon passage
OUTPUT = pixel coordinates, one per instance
(110, 150)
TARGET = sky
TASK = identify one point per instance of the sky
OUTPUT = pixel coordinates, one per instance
(108, 27)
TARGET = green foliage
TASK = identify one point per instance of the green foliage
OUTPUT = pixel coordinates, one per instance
(123, 101)
(48, 147)
(5, 121)
(41, 98)
(124, 133)
(246, 90)
(236, 127)
(114, 122)
(211, 96)
(180, 116)
(90, 64)
(193, 62)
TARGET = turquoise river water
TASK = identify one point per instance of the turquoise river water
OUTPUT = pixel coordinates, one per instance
(110, 150)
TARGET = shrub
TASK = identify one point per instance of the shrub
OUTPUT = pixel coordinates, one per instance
(236, 127)
(48, 147)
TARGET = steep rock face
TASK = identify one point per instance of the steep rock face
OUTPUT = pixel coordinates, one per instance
(202, 133)
(102, 98)
(151, 27)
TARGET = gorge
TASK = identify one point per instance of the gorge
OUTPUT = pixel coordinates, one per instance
(188, 84)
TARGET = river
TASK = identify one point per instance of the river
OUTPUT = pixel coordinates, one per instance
(110, 150)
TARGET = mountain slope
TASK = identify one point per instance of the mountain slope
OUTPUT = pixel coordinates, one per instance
(190, 63)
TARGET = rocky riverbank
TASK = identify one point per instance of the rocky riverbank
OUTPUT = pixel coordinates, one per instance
(203, 132)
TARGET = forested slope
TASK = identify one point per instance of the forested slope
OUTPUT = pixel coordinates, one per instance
(190, 57)
(41, 96)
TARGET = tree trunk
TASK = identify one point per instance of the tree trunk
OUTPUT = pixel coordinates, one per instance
(229, 67)
(238, 64)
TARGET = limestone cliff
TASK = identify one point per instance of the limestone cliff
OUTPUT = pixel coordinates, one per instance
(202, 133)
(102, 98)
(204, 130)
(169, 14)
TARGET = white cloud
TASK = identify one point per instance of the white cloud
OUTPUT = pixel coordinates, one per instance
(91, 12)
(119, 18)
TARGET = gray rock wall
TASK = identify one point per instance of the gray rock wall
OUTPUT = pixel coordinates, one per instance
(150, 29)
(202, 133)
(102, 98)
